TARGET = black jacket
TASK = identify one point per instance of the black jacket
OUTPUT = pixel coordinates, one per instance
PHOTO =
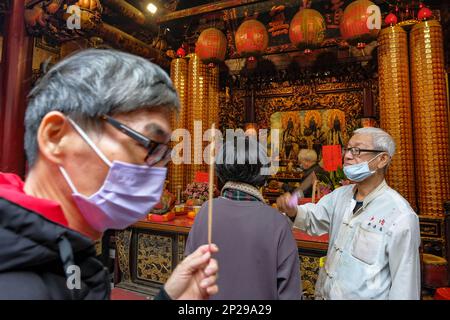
(35, 254)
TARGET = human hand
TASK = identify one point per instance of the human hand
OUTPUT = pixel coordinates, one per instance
(195, 277)
(286, 205)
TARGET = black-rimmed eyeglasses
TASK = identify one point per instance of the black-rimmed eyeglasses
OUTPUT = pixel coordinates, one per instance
(355, 151)
(156, 150)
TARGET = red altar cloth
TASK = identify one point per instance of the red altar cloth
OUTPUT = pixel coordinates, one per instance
(184, 221)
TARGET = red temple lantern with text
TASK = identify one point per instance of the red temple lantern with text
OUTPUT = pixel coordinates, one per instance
(251, 38)
(211, 46)
(307, 29)
(354, 25)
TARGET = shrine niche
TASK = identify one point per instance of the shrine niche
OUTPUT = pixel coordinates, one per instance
(308, 129)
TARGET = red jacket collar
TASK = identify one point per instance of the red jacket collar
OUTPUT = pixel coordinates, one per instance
(11, 189)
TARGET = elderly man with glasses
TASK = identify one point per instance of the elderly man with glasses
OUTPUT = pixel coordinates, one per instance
(374, 236)
(97, 128)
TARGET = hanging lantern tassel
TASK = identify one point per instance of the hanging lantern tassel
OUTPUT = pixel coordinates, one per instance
(252, 62)
(361, 46)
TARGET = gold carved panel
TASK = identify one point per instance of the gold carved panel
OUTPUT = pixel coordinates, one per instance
(309, 270)
(347, 97)
(154, 257)
(309, 98)
(123, 242)
(181, 246)
(232, 110)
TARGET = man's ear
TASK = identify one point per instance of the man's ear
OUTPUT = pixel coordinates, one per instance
(384, 160)
(52, 133)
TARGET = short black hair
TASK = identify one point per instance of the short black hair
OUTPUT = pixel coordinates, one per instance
(241, 160)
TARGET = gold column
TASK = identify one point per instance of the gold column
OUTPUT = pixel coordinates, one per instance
(212, 116)
(431, 131)
(197, 108)
(213, 108)
(179, 75)
(395, 108)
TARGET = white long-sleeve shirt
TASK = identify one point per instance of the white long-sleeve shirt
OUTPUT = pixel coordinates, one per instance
(372, 254)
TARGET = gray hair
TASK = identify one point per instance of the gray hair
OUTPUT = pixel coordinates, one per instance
(95, 82)
(308, 155)
(381, 139)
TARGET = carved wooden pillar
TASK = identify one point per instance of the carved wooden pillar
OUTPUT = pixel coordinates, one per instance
(368, 106)
(447, 236)
(250, 108)
(16, 78)
(368, 109)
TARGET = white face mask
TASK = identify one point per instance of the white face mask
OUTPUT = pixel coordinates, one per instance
(360, 171)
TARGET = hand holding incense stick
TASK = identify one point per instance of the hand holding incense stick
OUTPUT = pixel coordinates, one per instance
(211, 181)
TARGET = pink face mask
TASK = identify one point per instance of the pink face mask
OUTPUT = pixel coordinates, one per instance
(127, 195)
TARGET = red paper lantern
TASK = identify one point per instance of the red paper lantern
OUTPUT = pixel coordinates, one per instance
(424, 13)
(307, 29)
(391, 19)
(353, 25)
(211, 46)
(251, 38)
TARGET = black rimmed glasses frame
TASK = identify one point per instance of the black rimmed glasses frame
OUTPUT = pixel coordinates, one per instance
(144, 141)
(355, 151)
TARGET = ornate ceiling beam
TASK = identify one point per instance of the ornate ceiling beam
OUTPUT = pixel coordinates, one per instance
(127, 42)
(207, 8)
(52, 22)
(31, 3)
(127, 10)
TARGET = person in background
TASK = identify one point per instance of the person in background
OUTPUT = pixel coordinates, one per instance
(97, 128)
(308, 165)
(258, 255)
(374, 236)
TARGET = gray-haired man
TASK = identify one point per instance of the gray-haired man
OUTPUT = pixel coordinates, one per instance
(96, 141)
(373, 250)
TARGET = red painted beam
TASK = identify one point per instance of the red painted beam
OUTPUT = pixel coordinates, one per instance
(16, 79)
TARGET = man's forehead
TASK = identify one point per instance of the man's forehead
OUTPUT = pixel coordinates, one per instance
(153, 123)
(361, 140)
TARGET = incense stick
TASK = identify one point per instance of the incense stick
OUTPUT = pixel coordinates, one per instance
(314, 190)
(211, 182)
